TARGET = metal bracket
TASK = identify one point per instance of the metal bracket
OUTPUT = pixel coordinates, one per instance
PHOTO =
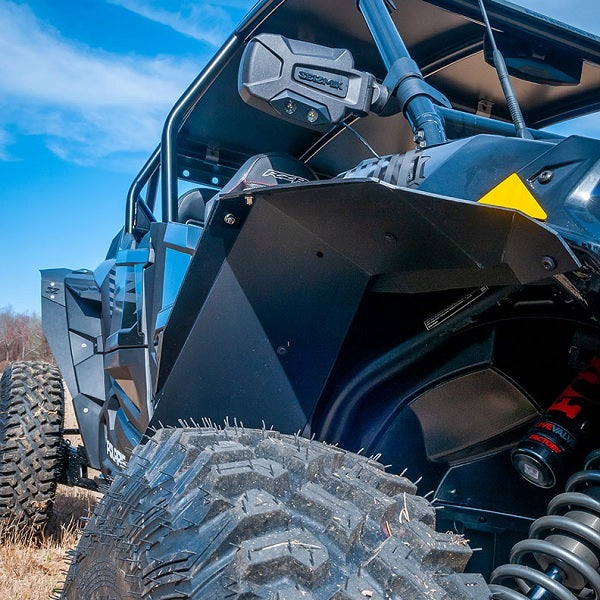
(212, 154)
(75, 468)
(406, 82)
(484, 108)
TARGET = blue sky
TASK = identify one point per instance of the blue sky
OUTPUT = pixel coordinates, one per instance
(84, 88)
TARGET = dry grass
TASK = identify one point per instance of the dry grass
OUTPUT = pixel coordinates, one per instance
(34, 569)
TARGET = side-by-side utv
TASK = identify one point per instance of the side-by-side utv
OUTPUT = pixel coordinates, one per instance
(356, 231)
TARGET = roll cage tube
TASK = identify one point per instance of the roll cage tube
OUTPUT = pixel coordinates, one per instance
(149, 170)
(176, 119)
(165, 155)
(416, 97)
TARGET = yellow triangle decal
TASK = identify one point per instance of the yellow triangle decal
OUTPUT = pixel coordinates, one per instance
(513, 193)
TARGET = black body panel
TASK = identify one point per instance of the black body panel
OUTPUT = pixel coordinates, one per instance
(272, 322)
(71, 314)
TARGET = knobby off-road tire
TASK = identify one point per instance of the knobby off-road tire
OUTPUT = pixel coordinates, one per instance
(31, 425)
(240, 514)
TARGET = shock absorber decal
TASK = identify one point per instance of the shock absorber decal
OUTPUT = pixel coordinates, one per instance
(555, 440)
(546, 442)
(565, 406)
(580, 389)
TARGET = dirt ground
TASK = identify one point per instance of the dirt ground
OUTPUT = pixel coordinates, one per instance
(34, 569)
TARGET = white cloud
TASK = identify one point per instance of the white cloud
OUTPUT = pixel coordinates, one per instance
(209, 22)
(87, 103)
(5, 140)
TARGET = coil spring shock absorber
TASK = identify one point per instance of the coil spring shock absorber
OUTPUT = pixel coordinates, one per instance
(564, 545)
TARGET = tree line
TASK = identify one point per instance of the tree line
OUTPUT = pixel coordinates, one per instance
(22, 338)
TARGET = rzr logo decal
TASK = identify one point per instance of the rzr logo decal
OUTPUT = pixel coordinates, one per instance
(280, 176)
(115, 455)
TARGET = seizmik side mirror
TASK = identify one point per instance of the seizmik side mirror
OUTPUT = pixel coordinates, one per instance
(305, 83)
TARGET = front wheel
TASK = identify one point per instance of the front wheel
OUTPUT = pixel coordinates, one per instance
(238, 513)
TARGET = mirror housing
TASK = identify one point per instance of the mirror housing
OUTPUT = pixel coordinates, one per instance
(307, 84)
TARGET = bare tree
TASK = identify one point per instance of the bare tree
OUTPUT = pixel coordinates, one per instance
(22, 338)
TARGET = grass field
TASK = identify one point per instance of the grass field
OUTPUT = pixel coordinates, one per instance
(34, 569)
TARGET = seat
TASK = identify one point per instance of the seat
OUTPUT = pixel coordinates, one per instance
(192, 206)
(263, 170)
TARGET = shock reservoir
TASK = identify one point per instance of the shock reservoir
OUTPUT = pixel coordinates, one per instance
(558, 438)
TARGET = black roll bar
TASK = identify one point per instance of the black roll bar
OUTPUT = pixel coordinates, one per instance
(165, 155)
(179, 113)
(404, 76)
(461, 124)
(148, 170)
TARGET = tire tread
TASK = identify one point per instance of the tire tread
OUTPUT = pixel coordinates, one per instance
(31, 425)
(237, 513)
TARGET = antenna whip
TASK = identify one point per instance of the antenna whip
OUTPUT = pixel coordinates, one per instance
(509, 93)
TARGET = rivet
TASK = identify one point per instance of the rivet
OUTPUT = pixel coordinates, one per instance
(229, 219)
(281, 350)
(290, 107)
(84, 345)
(545, 176)
(86, 411)
(51, 296)
(548, 263)
(312, 115)
(390, 237)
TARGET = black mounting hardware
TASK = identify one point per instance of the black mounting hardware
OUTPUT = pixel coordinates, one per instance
(405, 82)
(416, 97)
(75, 468)
(317, 86)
